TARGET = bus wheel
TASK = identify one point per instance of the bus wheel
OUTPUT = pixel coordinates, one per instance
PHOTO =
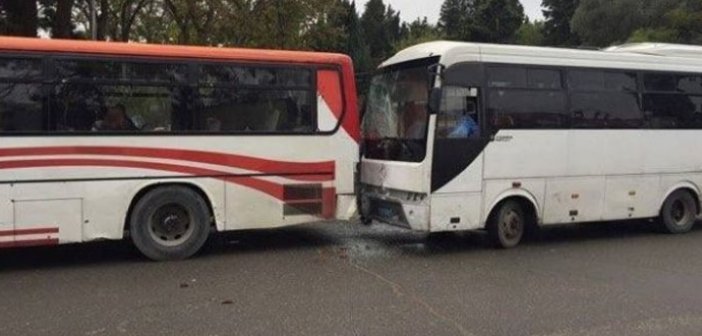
(170, 223)
(506, 227)
(679, 213)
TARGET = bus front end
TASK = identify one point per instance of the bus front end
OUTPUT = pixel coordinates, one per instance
(396, 165)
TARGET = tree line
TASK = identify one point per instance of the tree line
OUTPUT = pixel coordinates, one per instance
(336, 25)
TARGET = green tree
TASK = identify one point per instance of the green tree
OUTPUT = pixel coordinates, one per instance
(456, 19)
(557, 30)
(531, 33)
(381, 29)
(681, 24)
(602, 23)
(418, 31)
(481, 20)
(20, 17)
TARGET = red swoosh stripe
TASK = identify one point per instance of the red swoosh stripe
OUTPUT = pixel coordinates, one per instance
(221, 159)
(270, 188)
(29, 243)
(25, 232)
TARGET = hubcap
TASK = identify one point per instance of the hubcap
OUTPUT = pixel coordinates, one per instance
(511, 226)
(679, 212)
(171, 224)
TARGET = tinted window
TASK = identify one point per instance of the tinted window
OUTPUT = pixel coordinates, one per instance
(544, 79)
(508, 77)
(593, 80)
(255, 111)
(605, 110)
(673, 111)
(522, 109)
(673, 83)
(20, 68)
(458, 118)
(690, 84)
(254, 76)
(112, 108)
(21, 108)
(121, 71)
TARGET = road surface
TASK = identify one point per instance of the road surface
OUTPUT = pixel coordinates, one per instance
(348, 279)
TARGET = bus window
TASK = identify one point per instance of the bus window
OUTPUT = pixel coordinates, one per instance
(458, 118)
(21, 108)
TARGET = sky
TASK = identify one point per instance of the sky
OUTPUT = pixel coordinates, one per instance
(412, 9)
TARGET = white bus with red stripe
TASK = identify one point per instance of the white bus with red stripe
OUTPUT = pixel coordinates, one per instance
(167, 144)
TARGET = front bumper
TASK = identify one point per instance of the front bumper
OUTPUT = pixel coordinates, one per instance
(398, 208)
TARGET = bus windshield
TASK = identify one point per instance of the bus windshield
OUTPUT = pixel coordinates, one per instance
(396, 116)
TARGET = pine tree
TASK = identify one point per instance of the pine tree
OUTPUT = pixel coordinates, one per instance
(557, 30)
(481, 20)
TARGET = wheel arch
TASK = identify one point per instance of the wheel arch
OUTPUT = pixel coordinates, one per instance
(523, 196)
(682, 185)
(143, 190)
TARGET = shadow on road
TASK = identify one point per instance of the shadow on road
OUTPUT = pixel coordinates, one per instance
(373, 240)
(124, 252)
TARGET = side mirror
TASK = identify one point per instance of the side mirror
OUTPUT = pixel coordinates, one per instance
(435, 100)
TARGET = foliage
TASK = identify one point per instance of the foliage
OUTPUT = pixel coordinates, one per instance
(531, 33)
(481, 20)
(605, 22)
(416, 32)
(557, 30)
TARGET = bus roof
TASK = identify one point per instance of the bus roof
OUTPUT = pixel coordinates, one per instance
(19, 44)
(643, 56)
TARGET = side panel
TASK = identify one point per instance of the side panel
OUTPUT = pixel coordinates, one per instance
(576, 199)
(48, 221)
(632, 196)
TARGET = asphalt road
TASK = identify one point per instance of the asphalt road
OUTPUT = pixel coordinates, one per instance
(347, 279)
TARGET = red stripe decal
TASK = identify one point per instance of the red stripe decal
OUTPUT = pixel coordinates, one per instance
(24, 232)
(270, 188)
(28, 243)
(221, 159)
(329, 203)
(330, 88)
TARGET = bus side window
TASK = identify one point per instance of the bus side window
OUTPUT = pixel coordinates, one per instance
(458, 116)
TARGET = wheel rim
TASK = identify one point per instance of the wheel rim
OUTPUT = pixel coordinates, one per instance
(171, 224)
(679, 212)
(511, 226)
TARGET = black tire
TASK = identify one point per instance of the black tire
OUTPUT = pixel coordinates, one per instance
(506, 227)
(679, 213)
(170, 223)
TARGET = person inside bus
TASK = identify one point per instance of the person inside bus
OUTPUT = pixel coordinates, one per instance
(115, 119)
(465, 127)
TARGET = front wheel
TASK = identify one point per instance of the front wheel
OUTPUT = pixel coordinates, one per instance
(170, 223)
(679, 213)
(506, 227)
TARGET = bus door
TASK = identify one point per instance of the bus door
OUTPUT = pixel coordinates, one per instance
(456, 165)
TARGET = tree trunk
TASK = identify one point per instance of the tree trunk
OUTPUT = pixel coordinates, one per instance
(22, 17)
(62, 24)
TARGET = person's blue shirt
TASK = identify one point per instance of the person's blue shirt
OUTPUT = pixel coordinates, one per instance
(466, 127)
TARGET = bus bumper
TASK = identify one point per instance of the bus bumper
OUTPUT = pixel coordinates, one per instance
(403, 209)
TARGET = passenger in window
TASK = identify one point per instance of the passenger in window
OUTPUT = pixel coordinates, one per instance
(115, 119)
(465, 127)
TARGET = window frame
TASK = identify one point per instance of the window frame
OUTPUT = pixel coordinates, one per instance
(487, 89)
(48, 80)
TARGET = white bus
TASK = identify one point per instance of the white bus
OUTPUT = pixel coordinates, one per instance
(463, 136)
(168, 143)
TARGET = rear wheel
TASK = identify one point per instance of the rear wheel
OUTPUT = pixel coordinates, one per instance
(170, 223)
(507, 226)
(679, 213)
